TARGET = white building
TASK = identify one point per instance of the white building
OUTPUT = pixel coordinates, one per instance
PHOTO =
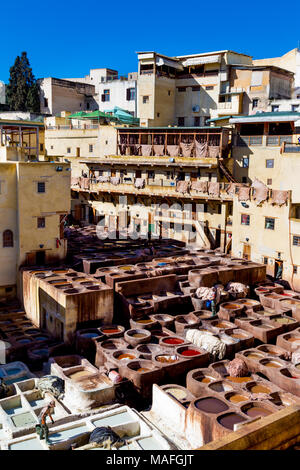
(2, 92)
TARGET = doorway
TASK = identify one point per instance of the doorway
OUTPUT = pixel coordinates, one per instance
(40, 258)
(247, 252)
(278, 269)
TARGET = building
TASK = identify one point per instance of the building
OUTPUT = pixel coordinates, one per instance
(266, 148)
(34, 199)
(152, 184)
(57, 95)
(185, 90)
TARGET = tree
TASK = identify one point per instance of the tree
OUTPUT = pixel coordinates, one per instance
(22, 92)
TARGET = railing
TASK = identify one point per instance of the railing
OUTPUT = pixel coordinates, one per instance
(248, 140)
(259, 140)
(277, 140)
(72, 126)
(291, 148)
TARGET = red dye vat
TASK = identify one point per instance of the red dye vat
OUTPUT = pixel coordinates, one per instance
(173, 341)
(190, 352)
(110, 331)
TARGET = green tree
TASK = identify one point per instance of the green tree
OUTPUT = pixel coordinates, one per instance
(22, 91)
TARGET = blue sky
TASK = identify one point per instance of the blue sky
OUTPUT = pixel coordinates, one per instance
(66, 38)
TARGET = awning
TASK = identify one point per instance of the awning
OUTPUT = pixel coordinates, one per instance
(169, 63)
(209, 59)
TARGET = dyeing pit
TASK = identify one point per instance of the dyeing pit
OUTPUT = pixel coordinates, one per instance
(220, 387)
(188, 352)
(79, 375)
(23, 419)
(167, 359)
(177, 393)
(236, 398)
(230, 419)
(211, 405)
(257, 388)
(28, 444)
(67, 433)
(230, 306)
(126, 357)
(114, 420)
(238, 336)
(172, 341)
(254, 355)
(90, 335)
(256, 411)
(284, 320)
(13, 371)
(144, 321)
(150, 443)
(268, 363)
(238, 380)
(110, 331)
(294, 339)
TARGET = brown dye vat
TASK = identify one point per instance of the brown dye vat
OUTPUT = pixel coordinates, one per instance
(211, 405)
(236, 398)
(272, 364)
(256, 411)
(166, 359)
(259, 389)
(230, 306)
(238, 380)
(205, 380)
(229, 420)
(254, 355)
(144, 321)
(238, 336)
(294, 339)
(221, 325)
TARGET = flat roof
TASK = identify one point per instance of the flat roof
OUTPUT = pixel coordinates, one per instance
(173, 128)
(178, 57)
(274, 116)
(12, 122)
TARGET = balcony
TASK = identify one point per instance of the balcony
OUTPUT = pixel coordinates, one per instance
(266, 140)
(150, 187)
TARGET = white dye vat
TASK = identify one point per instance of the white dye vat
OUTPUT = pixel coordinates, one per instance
(67, 433)
(28, 444)
(150, 443)
(114, 420)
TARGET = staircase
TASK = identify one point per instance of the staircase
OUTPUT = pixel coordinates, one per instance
(226, 172)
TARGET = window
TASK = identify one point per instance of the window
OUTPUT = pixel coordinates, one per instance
(106, 95)
(254, 103)
(169, 92)
(68, 149)
(41, 187)
(45, 102)
(256, 78)
(209, 87)
(181, 89)
(181, 121)
(270, 163)
(245, 162)
(88, 106)
(41, 147)
(195, 88)
(130, 94)
(270, 223)
(295, 269)
(41, 222)
(269, 181)
(51, 147)
(219, 208)
(145, 99)
(91, 148)
(8, 239)
(244, 179)
(197, 121)
(151, 174)
(265, 260)
(245, 219)
(275, 108)
(295, 107)
(296, 240)
(157, 115)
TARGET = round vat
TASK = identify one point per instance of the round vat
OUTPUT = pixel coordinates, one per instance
(254, 355)
(135, 336)
(167, 358)
(177, 393)
(236, 397)
(255, 411)
(23, 340)
(221, 386)
(229, 420)
(211, 405)
(258, 388)
(89, 335)
(188, 351)
(238, 380)
(124, 356)
(271, 363)
(171, 341)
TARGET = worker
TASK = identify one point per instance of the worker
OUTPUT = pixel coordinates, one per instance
(42, 429)
(213, 302)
